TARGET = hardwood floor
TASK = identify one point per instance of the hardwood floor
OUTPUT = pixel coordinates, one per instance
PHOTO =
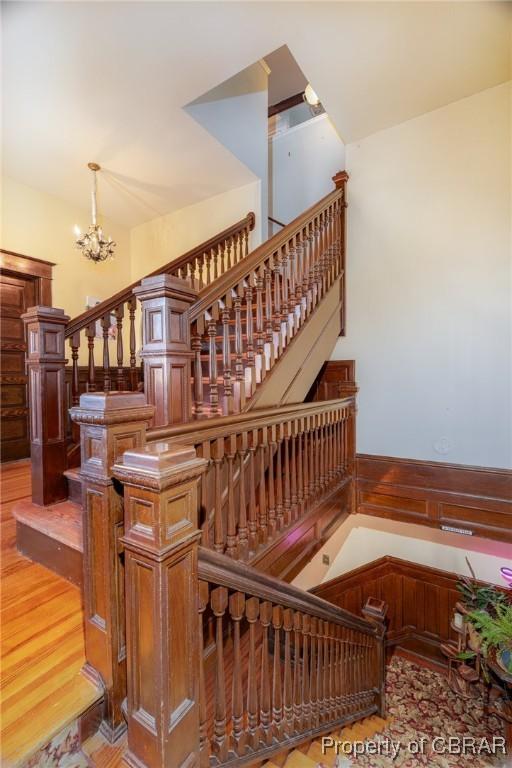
(42, 640)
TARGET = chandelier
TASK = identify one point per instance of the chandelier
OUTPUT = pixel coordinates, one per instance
(92, 243)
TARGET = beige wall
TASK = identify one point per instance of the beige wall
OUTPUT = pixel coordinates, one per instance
(160, 240)
(40, 225)
(429, 284)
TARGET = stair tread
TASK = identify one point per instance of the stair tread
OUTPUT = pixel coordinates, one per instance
(297, 759)
(61, 521)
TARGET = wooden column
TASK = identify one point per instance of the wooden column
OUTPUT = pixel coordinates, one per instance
(375, 611)
(110, 423)
(161, 542)
(166, 346)
(45, 327)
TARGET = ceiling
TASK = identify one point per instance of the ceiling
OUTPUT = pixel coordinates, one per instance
(286, 77)
(107, 81)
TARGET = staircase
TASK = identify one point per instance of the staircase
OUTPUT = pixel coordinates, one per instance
(186, 491)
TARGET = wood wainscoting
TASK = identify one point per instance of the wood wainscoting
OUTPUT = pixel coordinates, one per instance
(420, 601)
(476, 500)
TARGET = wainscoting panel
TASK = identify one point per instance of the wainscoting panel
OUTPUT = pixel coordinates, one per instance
(420, 599)
(477, 500)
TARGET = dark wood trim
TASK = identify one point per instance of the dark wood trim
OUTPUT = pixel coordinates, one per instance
(476, 499)
(288, 103)
(276, 221)
(337, 378)
(421, 601)
(37, 269)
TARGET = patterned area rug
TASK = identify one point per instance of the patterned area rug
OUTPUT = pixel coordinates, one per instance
(428, 717)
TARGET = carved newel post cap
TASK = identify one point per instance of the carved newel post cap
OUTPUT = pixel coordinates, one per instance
(46, 314)
(111, 407)
(159, 465)
(340, 178)
(375, 610)
(166, 286)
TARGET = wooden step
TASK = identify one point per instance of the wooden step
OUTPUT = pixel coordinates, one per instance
(51, 536)
(74, 485)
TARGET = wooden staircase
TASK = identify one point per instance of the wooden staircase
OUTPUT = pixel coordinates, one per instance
(203, 480)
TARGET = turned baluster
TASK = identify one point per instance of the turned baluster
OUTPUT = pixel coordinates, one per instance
(269, 331)
(119, 314)
(231, 539)
(277, 683)
(288, 676)
(305, 470)
(249, 328)
(196, 344)
(90, 332)
(318, 259)
(204, 747)
(306, 264)
(298, 280)
(226, 358)
(218, 458)
(326, 671)
(322, 456)
(287, 504)
(243, 531)
(252, 521)
(239, 363)
(319, 673)
(75, 388)
(300, 468)
(313, 674)
(236, 610)
(285, 312)
(265, 700)
(219, 601)
(105, 325)
(338, 673)
(246, 241)
(132, 307)
(230, 253)
(263, 522)
(252, 610)
(212, 360)
(343, 673)
(313, 458)
(260, 332)
(306, 704)
(204, 502)
(279, 484)
(297, 686)
(311, 273)
(277, 316)
(293, 471)
(332, 673)
(272, 523)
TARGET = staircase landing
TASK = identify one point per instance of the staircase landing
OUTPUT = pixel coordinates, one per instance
(43, 691)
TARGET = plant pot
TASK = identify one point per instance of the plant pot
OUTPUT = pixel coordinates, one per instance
(504, 659)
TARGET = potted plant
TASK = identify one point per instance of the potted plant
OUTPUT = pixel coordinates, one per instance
(494, 628)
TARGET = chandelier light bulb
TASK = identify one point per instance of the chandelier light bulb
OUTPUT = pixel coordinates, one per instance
(93, 244)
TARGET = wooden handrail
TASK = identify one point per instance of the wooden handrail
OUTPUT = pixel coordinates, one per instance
(106, 306)
(226, 425)
(223, 571)
(210, 294)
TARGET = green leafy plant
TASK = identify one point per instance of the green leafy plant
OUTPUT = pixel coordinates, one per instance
(495, 630)
(479, 598)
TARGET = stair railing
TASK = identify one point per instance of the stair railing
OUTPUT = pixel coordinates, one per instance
(266, 470)
(54, 444)
(226, 665)
(200, 267)
(241, 325)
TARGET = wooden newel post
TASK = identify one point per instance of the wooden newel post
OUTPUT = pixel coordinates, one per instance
(375, 611)
(110, 423)
(166, 346)
(46, 362)
(161, 543)
(340, 180)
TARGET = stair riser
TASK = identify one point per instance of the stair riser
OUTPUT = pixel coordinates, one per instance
(41, 548)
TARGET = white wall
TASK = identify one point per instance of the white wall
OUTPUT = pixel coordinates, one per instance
(162, 239)
(302, 162)
(235, 113)
(429, 284)
(361, 539)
